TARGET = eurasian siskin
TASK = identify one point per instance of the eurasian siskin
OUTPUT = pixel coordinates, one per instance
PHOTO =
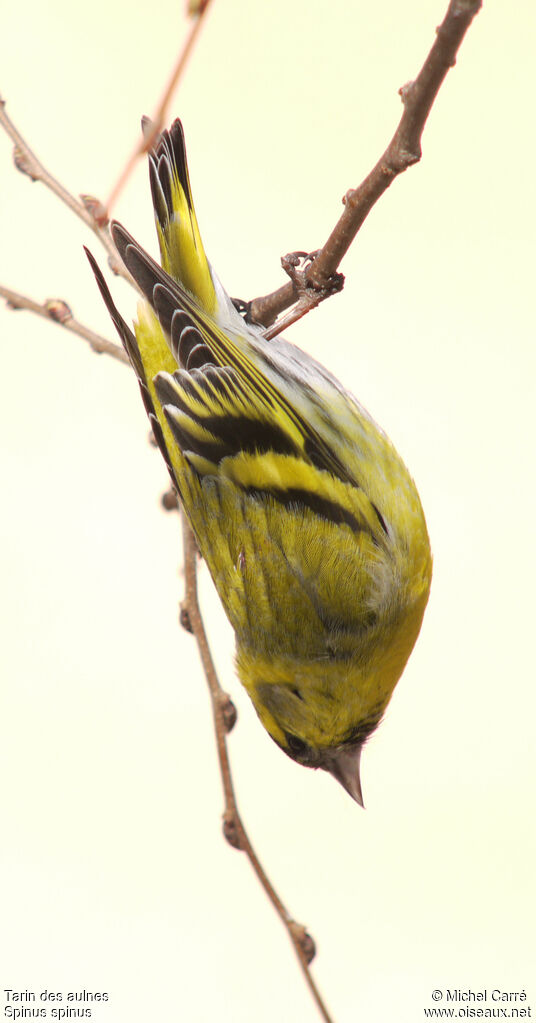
(305, 514)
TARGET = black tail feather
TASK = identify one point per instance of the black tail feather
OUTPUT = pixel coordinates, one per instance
(128, 338)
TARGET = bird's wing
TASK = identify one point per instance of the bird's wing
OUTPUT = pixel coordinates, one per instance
(217, 413)
(196, 338)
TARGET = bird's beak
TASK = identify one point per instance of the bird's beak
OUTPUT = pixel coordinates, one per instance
(344, 766)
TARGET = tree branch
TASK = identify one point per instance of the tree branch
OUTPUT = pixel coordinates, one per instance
(56, 309)
(88, 210)
(224, 715)
(197, 10)
(402, 152)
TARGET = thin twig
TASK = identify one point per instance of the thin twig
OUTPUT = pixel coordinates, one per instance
(88, 210)
(224, 718)
(57, 309)
(157, 121)
(403, 151)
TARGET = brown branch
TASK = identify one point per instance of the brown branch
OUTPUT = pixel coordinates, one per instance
(224, 719)
(57, 310)
(89, 210)
(295, 265)
(402, 152)
(197, 10)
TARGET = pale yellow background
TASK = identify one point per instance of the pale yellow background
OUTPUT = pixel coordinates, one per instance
(114, 874)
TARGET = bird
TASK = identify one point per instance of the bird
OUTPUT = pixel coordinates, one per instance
(305, 514)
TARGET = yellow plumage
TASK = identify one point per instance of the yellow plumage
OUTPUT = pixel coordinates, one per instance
(306, 516)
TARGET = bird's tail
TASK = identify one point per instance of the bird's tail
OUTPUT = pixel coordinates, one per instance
(181, 248)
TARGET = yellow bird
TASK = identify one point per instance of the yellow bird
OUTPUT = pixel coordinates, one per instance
(309, 522)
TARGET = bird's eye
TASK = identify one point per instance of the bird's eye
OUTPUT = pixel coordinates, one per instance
(297, 747)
